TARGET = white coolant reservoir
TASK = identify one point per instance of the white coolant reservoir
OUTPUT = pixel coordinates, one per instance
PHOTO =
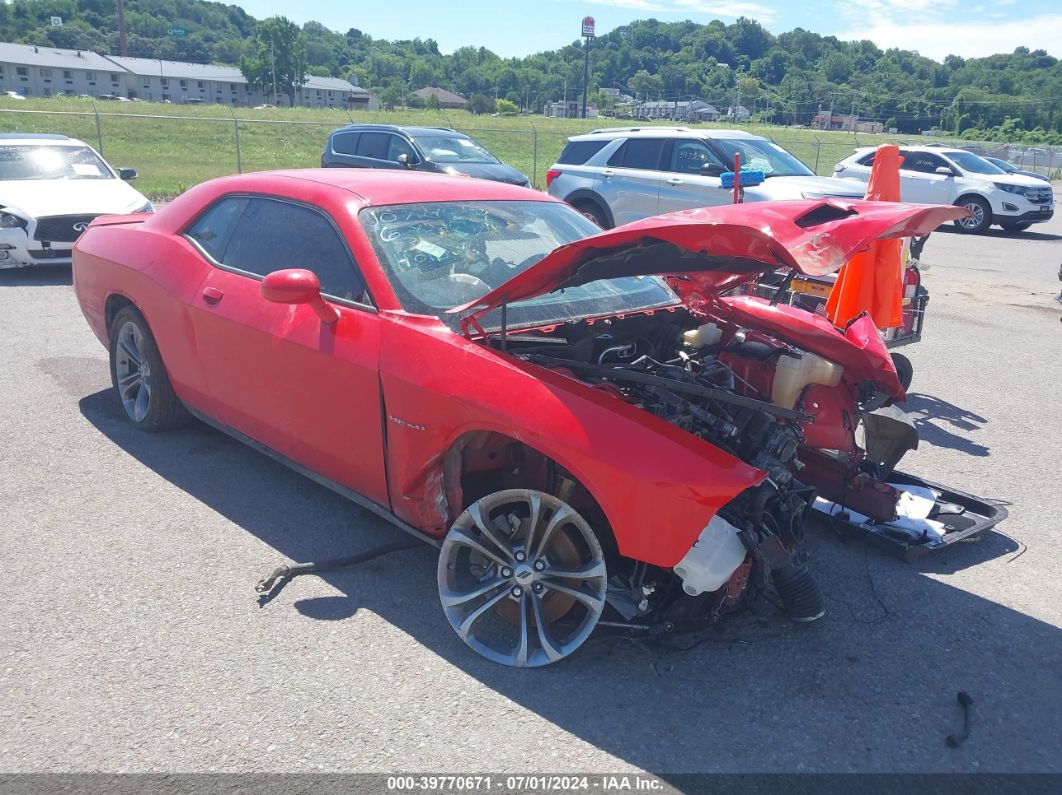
(714, 556)
(793, 373)
(702, 336)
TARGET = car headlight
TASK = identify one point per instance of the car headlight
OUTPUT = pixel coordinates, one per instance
(1018, 189)
(9, 221)
(146, 207)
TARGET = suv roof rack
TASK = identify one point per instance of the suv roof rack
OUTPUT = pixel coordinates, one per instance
(636, 129)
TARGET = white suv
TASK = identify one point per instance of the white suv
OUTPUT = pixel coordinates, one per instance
(619, 175)
(940, 175)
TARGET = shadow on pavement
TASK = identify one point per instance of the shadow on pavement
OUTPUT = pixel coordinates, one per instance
(930, 415)
(872, 686)
(36, 276)
(993, 231)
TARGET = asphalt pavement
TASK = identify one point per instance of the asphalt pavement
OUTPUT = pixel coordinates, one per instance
(133, 640)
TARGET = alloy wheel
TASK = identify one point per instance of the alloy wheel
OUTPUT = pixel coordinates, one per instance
(132, 371)
(522, 578)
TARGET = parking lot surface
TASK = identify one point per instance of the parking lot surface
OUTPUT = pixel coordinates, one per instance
(133, 641)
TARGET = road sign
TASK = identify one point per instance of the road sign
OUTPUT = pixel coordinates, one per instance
(57, 22)
(177, 32)
(588, 27)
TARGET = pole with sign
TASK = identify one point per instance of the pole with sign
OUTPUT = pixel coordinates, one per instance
(588, 33)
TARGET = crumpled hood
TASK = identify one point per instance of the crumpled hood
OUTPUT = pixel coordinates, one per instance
(718, 248)
(47, 197)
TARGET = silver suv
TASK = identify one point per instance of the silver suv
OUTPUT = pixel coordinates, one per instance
(623, 174)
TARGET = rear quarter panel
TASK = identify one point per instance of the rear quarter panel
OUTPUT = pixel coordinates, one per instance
(657, 485)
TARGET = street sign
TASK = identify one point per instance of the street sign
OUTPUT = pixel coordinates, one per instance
(588, 27)
(177, 32)
(57, 22)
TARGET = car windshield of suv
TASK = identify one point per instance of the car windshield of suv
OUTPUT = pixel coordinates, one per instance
(453, 149)
(443, 254)
(51, 162)
(758, 154)
(975, 164)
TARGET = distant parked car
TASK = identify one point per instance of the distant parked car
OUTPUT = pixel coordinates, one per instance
(939, 175)
(13, 95)
(434, 149)
(623, 174)
(51, 188)
(1010, 168)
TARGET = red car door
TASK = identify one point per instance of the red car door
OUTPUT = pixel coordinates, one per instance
(277, 373)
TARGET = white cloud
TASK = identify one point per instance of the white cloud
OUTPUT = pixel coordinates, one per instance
(970, 39)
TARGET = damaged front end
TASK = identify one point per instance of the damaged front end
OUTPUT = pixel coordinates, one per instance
(810, 406)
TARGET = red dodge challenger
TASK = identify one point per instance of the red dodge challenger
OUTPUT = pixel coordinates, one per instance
(584, 422)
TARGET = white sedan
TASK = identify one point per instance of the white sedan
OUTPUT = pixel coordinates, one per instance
(51, 189)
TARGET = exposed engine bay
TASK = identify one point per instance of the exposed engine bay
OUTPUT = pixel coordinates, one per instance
(786, 410)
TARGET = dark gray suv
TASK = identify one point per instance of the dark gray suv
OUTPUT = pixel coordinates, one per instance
(434, 149)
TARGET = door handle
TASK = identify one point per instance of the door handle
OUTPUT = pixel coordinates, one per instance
(674, 181)
(607, 172)
(212, 295)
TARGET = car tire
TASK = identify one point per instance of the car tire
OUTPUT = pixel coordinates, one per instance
(139, 377)
(593, 212)
(1015, 226)
(982, 215)
(522, 578)
(904, 369)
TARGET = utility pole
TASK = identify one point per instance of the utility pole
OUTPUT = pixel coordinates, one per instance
(123, 48)
(273, 64)
(588, 33)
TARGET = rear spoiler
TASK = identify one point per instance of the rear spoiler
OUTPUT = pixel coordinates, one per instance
(120, 220)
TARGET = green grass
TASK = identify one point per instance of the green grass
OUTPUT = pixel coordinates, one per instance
(174, 154)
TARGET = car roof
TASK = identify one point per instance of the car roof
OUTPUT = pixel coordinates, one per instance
(367, 127)
(394, 186)
(38, 138)
(611, 133)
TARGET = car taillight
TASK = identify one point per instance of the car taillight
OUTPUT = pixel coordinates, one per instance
(551, 175)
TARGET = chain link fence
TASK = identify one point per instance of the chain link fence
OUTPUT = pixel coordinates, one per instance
(175, 151)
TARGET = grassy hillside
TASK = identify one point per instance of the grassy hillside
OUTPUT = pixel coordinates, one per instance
(174, 154)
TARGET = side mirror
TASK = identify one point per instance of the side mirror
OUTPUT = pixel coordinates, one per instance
(712, 170)
(947, 172)
(127, 173)
(406, 161)
(298, 286)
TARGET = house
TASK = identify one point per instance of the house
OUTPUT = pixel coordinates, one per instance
(692, 110)
(37, 71)
(824, 121)
(570, 109)
(738, 113)
(447, 99)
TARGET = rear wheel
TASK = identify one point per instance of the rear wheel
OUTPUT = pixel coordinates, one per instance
(593, 212)
(522, 578)
(139, 377)
(1015, 226)
(980, 218)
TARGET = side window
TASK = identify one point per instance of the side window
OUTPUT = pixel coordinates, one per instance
(272, 235)
(374, 145)
(688, 157)
(344, 143)
(214, 228)
(578, 152)
(643, 153)
(868, 160)
(399, 146)
(922, 162)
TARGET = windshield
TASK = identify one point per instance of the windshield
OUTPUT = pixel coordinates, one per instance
(51, 162)
(443, 254)
(1003, 164)
(758, 154)
(975, 164)
(444, 148)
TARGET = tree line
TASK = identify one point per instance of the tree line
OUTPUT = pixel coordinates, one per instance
(785, 78)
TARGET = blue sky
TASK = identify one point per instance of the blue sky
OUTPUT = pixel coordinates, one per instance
(933, 27)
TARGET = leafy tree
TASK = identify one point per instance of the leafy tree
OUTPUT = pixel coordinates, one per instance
(480, 104)
(278, 48)
(505, 106)
(432, 102)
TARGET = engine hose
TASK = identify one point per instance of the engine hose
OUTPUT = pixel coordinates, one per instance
(799, 590)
